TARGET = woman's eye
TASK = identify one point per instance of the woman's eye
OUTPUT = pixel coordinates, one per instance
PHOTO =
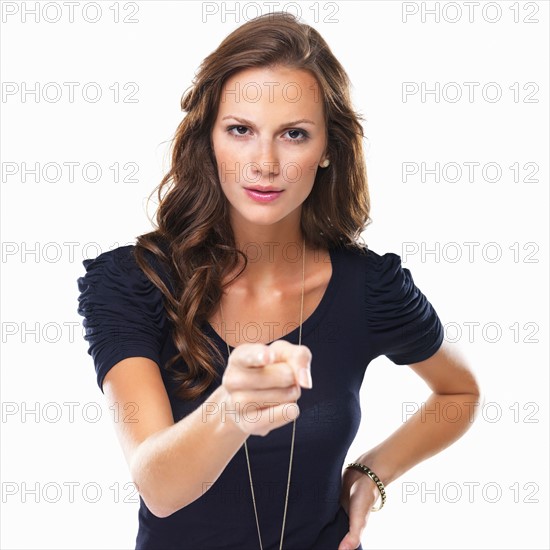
(294, 138)
(233, 127)
(304, 135)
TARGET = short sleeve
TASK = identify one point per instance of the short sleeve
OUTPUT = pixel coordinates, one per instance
(404, 325)
(123, 310)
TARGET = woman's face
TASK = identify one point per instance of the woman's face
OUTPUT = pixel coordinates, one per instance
(269, 131)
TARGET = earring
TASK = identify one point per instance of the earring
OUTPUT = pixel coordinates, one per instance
(325, 163)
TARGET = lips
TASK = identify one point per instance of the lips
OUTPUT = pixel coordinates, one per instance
(259, 195)
(264, 189)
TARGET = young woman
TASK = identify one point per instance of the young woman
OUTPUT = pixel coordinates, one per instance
(253, 310)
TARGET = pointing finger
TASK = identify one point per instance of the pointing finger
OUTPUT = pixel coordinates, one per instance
(298, 357)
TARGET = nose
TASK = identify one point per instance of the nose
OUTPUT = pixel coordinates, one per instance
(266, 161)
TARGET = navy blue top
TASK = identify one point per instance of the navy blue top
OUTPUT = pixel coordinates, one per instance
(371, 307)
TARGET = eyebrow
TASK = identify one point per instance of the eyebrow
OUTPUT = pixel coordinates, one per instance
(250, 123)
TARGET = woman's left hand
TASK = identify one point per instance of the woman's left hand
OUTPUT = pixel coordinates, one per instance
(359, 494)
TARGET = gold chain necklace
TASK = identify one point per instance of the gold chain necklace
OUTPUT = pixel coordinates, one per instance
(293, 422)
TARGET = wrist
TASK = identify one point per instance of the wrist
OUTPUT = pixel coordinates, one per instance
(375, 488)
(354, 476)
(222, 412)
(381, 468)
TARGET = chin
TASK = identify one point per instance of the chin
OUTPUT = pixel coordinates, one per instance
(246, 214)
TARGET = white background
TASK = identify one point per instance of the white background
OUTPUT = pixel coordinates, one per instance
(380, 51)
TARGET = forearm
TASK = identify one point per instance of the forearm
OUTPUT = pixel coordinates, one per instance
(439, 422)
(177, 465)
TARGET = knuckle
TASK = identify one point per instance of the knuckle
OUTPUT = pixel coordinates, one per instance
(228, 383)
(244, 352)
(232, 361)
(294, 391)
(289, 378)
(231, 383)
(305, 352)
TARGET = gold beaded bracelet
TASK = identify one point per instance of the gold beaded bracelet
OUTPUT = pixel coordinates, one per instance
(374, 477)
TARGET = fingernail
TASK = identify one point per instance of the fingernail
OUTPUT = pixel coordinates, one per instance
(305, 378)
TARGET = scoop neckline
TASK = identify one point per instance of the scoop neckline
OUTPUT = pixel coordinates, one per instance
(309, 323)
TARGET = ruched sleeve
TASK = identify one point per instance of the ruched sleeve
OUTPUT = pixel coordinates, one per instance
(404, 325)
(123, 310)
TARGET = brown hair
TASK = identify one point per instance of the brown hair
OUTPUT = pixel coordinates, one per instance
(194, 239)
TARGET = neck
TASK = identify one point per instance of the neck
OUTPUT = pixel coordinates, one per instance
(274, 253)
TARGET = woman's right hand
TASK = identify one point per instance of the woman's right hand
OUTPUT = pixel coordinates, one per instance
(262, 384)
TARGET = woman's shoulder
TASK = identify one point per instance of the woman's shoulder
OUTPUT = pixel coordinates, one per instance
(115, 275)
(381, 270)
(404, 323)
(121, 257)
(123, 310)
(118, 264)
(121, 261)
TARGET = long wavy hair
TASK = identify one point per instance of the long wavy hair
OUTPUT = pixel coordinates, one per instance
(193, 239)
